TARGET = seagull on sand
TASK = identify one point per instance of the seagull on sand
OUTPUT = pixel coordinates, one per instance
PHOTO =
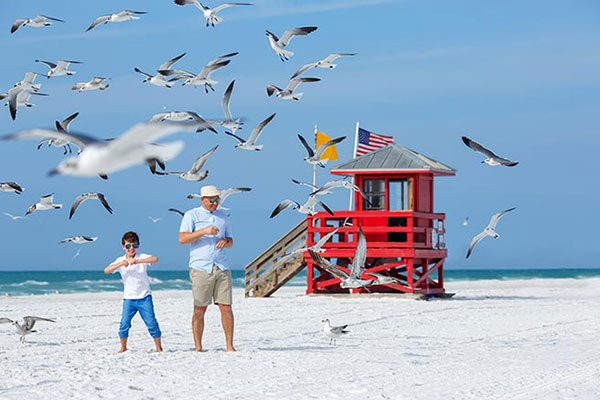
(489, 230)
(96, 83)
(155, 220)
(28, 82)
(14, 217)
(288, 92)
(210, 13)
(306, 208)
(178, 116)
(176, 211)
(59, 69)
(278, 44)
(44, 204)
(492, 159)
(159, 78)
(79, 239)
(224, 194)
(11, 187)
(194, 174)
(324, 63)
(203, 77)
(229, 122)
(250, 143)
(314, 156)
(121, 16)
(333, 332)
(26, 327)
(102, 157)
(36, 22)
(353, 279)
(89, 196)
(62, 126)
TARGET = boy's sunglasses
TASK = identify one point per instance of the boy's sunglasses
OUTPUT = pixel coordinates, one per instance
(135, 246)
(214, 200)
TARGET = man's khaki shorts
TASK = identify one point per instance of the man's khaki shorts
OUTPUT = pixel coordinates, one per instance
(214, 287)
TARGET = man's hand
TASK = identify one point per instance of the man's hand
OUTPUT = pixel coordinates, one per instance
(211, 230)
(222, 243)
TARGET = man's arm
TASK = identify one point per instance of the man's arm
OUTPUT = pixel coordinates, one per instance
(189, 237)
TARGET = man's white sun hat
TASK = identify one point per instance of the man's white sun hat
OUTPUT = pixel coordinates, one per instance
(209, 191)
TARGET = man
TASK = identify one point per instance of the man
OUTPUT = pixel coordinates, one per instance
(209, 233)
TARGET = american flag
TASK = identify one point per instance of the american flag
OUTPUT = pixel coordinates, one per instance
(369, 141)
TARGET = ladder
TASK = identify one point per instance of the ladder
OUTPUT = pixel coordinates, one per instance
(271, 269)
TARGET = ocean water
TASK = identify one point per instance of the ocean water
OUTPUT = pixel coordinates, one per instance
(24, 283)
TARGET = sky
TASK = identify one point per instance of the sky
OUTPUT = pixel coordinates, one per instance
(519, 77)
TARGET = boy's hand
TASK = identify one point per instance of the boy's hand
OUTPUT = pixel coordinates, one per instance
(211, 230)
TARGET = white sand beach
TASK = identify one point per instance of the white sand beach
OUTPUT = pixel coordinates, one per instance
(526, 339)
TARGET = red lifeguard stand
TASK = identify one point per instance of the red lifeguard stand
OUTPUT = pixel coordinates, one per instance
(405, 238)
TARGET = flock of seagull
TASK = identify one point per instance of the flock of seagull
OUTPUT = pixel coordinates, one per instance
(101, 157)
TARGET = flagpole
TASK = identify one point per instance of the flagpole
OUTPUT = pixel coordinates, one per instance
(315, 165)
(353, 156)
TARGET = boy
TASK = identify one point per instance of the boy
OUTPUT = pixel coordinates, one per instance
(137, 295)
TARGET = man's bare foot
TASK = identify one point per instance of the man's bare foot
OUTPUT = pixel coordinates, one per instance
(121, 351)
(231, 348)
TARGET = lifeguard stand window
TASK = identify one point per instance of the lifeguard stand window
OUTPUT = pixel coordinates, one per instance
(398, 192)
(375, 191)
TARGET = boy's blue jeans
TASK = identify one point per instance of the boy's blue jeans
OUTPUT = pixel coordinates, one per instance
(146, 308)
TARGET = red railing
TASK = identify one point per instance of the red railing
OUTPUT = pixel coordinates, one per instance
(421, 230)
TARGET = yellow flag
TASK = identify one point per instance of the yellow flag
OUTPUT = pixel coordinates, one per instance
(331, 152)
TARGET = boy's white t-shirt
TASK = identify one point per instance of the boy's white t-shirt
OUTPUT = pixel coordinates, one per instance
(136, 284)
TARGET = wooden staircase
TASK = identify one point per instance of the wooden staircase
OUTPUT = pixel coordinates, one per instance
(269, 271)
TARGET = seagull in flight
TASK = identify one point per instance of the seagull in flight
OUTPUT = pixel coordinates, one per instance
(160, 79)
(288, 92)
(79, 239)
(12, 95)
(223, 195)
(28, 82)
(36, 22)
(492, 159)
(210, 13)
(23, 98)
(184, 116)
(44, 204)
(60, 69)
(89, 196)
(324, 63)
(250, 143)
(310, 185)
(314, 156)
(155, 220)
(103, 157)
(229, 122)
(203, 77)
(466, 221)
(317, 247)
(194, 174)
(13, 217)
(333, 332)
(26, 327)
(278, 44)
(62, 126)
(121, 16)
(489, 230)
(96, 83)
(11, 187)
(306, 208)
(340, 183)
(353, 279)
(176, 211)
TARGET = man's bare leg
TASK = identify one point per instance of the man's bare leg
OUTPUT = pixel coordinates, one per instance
(227, 321)
(158, 345)
(198, 325)
(123, 345)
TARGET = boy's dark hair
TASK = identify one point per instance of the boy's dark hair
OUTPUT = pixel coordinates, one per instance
(130, 237)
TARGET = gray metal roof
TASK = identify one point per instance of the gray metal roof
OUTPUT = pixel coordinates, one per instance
(393, 157)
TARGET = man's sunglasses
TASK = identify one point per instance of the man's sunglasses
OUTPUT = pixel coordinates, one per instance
(135, 246)
(211, 201)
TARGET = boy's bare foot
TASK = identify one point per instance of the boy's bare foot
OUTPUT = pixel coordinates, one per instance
(231, 348)
(199, 349)
(159, 349)
(121, 351)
